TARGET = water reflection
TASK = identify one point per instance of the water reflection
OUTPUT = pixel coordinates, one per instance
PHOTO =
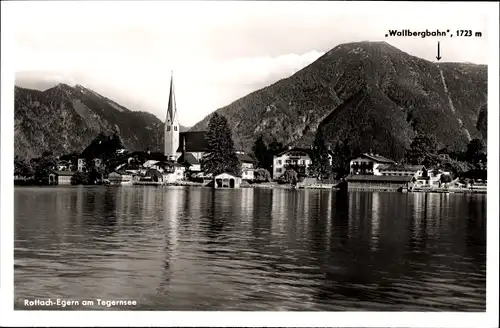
(375, 221)
(252, 249)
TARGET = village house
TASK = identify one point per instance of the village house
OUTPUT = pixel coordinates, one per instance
(368, 164)
(375, 172)
(299, 158)
(177, 173)
(63, 165)
(247, 165)
(82, 164)
(430, 178)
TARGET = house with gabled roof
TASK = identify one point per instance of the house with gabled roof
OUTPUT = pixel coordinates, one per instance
(368, 164)
(299, 158)
(247, 165)
(401, 170)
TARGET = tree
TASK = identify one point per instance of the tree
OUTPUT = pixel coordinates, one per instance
(457, 168)
(44, 166)
(80, 178)
(341, 157)
(320, 166)
(155, 175)
(445, 178)
(104, 147)
(22, 166)
(262, 175)
(72, 158)
(290, 176)
(476, 151)
(275, 147)
(221, 155)
(47, 153)
(423, 151)
(261, 153)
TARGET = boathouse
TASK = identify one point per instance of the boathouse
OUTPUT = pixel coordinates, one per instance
(60, 177)
(226, 180)
(120, 178)
(378, 182)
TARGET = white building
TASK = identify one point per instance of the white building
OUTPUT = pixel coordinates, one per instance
(401, 170)
(300, 158)
(81, 164)
(431, 178)
(368, 164)
(247, 165)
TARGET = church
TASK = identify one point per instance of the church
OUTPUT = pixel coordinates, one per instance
(189, 147)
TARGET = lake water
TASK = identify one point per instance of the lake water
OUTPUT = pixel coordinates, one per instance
(250, 249)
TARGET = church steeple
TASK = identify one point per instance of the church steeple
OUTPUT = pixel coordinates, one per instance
(171, 109)
(171, 125)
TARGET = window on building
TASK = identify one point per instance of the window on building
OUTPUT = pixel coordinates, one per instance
(168, 128)
(175, 128)
(279, 161)
(278, 170)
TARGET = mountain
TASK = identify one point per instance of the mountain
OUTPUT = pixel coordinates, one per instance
(370, 95)
(64, 119)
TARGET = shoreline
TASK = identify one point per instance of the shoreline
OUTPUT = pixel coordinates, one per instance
(270, 185)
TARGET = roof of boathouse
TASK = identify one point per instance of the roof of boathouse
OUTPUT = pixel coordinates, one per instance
(226, 175)
(400, 168)
(377, 178)
(64, 173)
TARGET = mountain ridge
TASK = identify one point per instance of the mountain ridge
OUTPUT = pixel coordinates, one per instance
(64, 119)
(382, 85)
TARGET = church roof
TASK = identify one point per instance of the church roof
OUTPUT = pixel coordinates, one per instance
(194, 142)
(188, 158)
(171, 109)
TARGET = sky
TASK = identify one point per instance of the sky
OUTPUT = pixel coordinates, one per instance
(218, 51)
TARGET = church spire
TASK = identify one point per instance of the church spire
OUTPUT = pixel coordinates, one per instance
(171, 125)
(171, 109)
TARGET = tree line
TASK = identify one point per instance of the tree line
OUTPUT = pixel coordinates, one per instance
(423, 150)
(103, 147)
(221, 157)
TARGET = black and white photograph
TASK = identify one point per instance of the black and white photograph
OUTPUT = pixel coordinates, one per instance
(220, 163)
